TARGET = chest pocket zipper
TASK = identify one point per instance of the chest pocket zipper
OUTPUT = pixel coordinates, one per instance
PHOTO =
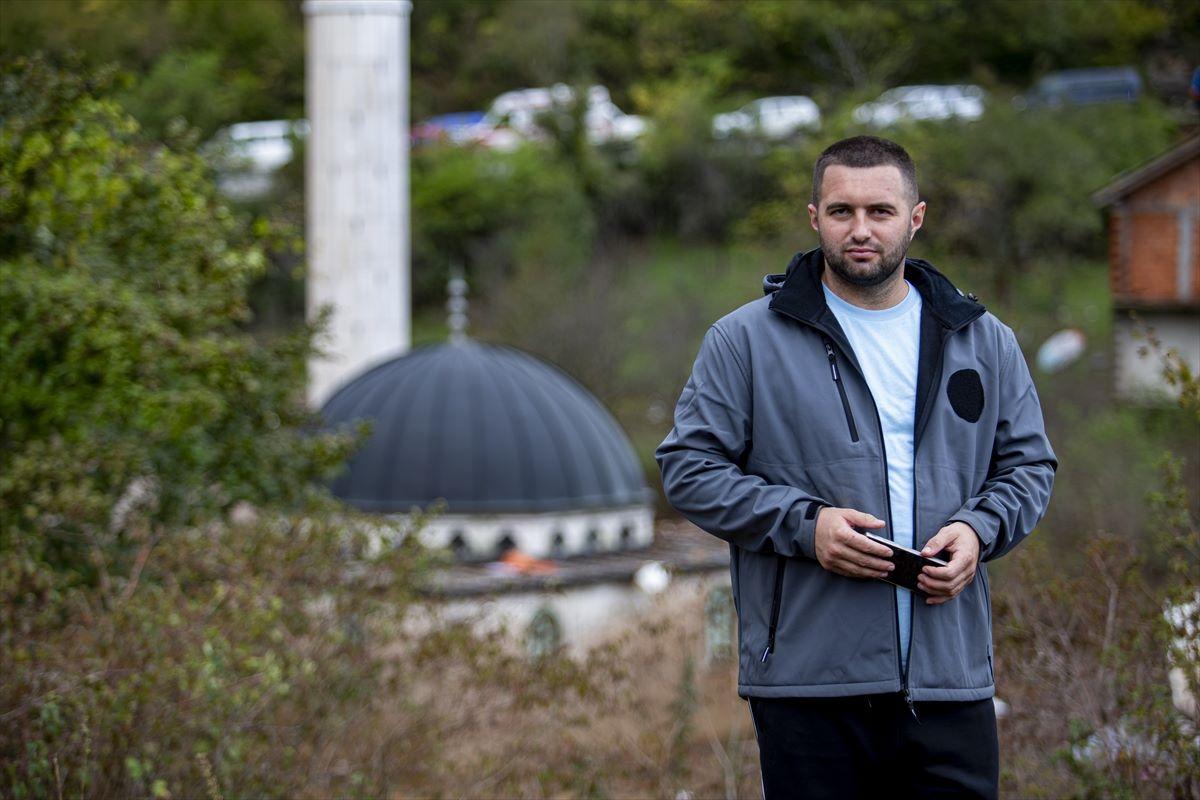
(776, 601)
(837, 380)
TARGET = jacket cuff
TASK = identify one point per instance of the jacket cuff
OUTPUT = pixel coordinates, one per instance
(807, 534)
(986, 527)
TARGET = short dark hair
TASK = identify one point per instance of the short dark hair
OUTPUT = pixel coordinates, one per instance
(866, 151)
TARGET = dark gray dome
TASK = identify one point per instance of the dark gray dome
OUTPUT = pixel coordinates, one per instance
(487, 429)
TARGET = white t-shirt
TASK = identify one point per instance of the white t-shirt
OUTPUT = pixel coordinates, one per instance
(886, 344)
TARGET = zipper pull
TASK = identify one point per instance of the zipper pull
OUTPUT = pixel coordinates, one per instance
(911, 708)
(833, 370)
(766, 652)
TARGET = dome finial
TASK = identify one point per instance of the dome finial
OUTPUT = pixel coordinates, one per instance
(456, 305)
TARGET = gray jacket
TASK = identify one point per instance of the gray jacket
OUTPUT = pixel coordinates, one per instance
(777, 421)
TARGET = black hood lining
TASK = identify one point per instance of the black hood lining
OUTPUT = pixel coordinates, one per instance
(801, 295)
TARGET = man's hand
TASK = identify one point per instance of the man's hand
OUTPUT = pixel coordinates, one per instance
(944, 583)
(843, 550)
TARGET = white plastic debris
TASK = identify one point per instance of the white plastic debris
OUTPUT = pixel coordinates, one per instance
(1002, 708)
(652, 577)
(1061, 350)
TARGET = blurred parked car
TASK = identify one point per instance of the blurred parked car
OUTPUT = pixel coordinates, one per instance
(770, 117)
(515, 116)
(455, 128)
(247, 154)
(922, 102)
(1082, 87)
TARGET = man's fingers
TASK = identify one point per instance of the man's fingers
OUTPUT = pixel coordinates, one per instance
(856, 541)
(958, 564)
(944, 588)
(855, 560)
(859, 565)
(862, 519)
(936, 545)
(932, 586)
(872, 564)
(944, 582)
(946, 573)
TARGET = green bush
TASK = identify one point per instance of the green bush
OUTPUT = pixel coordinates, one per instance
(494, 213)
(149, 647)
(122, 349)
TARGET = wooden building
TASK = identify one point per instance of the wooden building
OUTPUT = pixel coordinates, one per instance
(1154, 265)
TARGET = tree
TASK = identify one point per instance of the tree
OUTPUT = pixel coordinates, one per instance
(128, 378)
(165, 535)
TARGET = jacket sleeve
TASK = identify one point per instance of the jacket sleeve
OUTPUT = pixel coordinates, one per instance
(1017, 489)
(701, 462)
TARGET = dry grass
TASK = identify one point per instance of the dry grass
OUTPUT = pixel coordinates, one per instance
(634, 719)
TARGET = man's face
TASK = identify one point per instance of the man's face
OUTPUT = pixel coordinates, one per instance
(865, 222)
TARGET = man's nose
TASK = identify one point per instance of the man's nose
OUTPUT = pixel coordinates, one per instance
(860, 231)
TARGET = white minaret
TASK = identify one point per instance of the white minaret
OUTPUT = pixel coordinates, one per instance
(357, 185)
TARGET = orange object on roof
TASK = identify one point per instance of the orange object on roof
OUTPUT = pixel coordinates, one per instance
(527, 564)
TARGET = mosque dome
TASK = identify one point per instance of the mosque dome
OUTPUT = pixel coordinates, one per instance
(486, 428)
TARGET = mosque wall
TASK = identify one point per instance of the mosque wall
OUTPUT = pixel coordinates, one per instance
(550, 535)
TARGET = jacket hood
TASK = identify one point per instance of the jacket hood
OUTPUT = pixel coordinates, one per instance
(797, 292)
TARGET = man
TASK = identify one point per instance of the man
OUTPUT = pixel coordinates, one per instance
(863, 393)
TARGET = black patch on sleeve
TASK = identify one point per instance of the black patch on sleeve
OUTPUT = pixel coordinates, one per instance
(965, 391)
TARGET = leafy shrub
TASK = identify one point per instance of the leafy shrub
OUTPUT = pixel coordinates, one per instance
(126, 370)
(494, 213)
(148, 647)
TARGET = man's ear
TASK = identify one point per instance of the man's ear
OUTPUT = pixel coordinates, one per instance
(812, 216)
(917, 219)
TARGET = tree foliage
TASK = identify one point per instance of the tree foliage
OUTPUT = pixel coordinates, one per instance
(210, 62)
(126, 370)
(215, 62)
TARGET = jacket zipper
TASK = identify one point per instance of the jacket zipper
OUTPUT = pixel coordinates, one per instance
(837, 379)
(887, 496)
(912, 601)
(776, 601)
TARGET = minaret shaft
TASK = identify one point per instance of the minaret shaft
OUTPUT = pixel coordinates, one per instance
(357, 192)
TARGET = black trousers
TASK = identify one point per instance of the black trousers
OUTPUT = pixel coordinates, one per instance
(874, 747)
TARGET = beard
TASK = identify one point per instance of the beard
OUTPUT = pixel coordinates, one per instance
(866, 276)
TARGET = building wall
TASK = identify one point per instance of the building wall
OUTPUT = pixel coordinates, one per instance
(1151, 231)
(542, 535)
(587, 615)
(1139, 377)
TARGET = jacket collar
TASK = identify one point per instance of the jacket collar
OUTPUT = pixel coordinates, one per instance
(798, 292)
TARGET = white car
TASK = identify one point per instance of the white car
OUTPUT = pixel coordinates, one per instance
(513, 117)
(771, 117)
(922, 102)
(247, 154)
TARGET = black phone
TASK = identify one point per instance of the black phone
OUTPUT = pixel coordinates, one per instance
(908, 563)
